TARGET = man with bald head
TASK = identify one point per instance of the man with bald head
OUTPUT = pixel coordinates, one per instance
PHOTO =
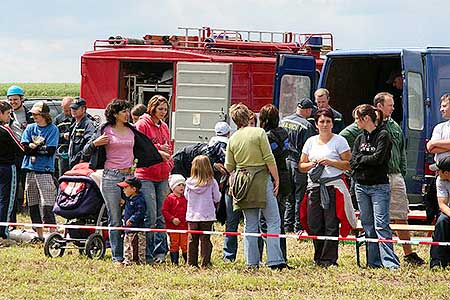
(63, 122)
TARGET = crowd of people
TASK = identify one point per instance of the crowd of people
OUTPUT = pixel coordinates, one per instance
(304, 172)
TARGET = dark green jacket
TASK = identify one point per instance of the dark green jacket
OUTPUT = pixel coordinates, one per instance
(397, 163)
(350, 133)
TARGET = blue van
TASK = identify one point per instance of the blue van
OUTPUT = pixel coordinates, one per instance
(354, 77)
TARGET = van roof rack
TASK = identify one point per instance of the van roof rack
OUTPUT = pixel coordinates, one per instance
(225, 41)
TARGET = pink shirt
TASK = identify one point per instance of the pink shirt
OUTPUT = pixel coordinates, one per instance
(119, 151)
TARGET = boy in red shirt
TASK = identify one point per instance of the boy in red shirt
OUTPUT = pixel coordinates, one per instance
(174, 212)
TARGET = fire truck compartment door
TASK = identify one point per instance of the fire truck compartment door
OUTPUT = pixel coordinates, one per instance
(295, 78)
(203, 95)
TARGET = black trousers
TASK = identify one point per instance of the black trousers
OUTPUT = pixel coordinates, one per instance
(298, 183)
(440, 255)
(323, 222)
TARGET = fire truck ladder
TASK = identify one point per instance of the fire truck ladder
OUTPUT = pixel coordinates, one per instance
(257, 40)
(241, 42)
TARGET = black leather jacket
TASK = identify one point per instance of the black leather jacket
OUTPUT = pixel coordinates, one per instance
(144, 150)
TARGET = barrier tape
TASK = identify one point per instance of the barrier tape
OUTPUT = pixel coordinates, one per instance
(301, 236)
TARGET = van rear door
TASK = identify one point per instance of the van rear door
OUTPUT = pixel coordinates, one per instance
(295, 78)
(203, 92)
(414, 120)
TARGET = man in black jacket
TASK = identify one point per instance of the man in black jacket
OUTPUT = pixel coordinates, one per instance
(79, 133)
(20, 118)
(322, 97)
(63, 121)
(299, 130)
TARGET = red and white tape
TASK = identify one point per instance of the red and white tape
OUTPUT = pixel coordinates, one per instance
(303, 235)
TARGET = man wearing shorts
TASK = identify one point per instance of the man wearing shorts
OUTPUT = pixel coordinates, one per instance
(397, 169)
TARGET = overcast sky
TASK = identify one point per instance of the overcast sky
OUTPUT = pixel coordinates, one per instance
(42, 41)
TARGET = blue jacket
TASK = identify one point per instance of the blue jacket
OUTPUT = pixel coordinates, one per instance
(135, 210)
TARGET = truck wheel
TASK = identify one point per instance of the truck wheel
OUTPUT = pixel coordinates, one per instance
(54, 245)
(95, 246)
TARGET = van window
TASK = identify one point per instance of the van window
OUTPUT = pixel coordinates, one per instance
(415, 101)
(292, 89)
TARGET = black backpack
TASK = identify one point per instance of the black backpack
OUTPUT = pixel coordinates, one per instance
(279, 136)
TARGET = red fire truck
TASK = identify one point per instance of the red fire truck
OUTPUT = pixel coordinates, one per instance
(201, 72)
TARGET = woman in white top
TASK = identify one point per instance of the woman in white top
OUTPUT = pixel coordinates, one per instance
(325, 157)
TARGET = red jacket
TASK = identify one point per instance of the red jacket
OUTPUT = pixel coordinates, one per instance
(175, 207)
(346, 217)
(159, 135)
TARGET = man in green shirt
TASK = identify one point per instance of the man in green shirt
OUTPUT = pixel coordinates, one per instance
(397, 169)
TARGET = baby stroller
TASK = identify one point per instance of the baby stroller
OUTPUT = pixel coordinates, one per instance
(80, 201)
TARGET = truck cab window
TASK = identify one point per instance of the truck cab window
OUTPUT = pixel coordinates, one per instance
(292, 89)
(415, 101)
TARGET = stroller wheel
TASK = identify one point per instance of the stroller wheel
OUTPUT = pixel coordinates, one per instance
(95, 246)
(54, 245)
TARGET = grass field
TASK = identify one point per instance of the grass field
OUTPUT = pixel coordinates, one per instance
(44, 89)
(27, 274)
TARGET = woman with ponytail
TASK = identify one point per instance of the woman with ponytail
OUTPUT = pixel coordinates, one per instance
(369, 163)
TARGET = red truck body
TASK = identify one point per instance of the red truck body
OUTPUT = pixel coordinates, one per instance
(136, 69)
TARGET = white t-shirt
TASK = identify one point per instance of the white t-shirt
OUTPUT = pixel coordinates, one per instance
(336, 146)
(441, 132)
(442, 188)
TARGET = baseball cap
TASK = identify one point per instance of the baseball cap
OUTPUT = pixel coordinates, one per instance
(443, 164)
(131, 181)
(305, 103)
(222, 128)
(39, 108)
(394, 74)
(77, 103)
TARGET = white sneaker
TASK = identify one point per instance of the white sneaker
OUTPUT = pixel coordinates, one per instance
(160, 258)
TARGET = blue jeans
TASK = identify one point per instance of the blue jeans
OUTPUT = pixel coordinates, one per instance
(251, 219)
(373, 201)
(230, 242)
(112, 195)
(281, 208)
(155, 192)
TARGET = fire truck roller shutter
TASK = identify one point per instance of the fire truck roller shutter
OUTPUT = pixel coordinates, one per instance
(203, 97)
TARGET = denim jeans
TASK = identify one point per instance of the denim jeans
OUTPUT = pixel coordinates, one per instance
(155, 192)
(112, 195)
(251, 219)
(292, 212)
(230, 242)
(373, 201)
(281, 200)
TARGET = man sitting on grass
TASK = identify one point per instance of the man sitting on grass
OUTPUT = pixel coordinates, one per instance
(440, 255)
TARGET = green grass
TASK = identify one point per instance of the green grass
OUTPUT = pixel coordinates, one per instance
(27, 274)
(44, 89)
